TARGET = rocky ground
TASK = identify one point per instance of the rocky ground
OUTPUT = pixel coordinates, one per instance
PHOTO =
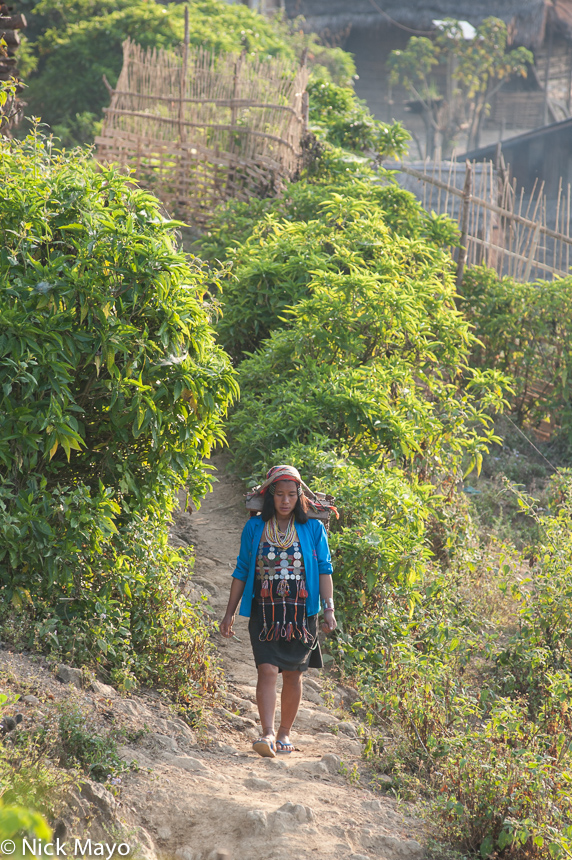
(205, 795)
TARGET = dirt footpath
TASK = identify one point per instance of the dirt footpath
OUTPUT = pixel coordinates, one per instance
(204, 794)
(313, 803)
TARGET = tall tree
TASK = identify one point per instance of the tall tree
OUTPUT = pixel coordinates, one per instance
(452, 78)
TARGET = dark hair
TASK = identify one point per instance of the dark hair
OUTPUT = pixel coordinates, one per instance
(300, 511)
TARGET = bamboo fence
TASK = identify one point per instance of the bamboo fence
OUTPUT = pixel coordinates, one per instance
(197, 129)
(501, 226)
(507, 230)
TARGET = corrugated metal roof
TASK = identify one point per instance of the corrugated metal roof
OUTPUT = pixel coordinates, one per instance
(488, 152)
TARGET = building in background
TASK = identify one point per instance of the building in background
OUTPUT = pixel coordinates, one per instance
(371, 29)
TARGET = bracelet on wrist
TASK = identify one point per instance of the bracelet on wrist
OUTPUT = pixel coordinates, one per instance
(328, 603)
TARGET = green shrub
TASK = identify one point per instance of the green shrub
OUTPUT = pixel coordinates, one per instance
(81, 745)
(107, 350)
(526, 331)
(232, 225)
(344, 120)
(372, 358)
(15, 820)
(112, 391)
(505, 788)
(326, 232)
(535, 662)
(469, 666)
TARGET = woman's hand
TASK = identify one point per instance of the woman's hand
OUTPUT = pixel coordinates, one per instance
(225, 626)
(330, 622)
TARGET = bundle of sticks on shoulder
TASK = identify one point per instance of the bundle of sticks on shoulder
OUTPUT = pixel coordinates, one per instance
(320, 505)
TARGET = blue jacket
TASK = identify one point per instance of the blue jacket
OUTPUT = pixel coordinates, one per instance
(315, 552)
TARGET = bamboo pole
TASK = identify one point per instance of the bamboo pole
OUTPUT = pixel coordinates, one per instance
(464, 223)
(532, 252)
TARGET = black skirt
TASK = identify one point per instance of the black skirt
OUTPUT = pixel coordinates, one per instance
(293, 656)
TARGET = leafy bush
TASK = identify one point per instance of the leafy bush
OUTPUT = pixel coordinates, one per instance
(344, 120)
(492, 761)
(372, 358)
(526, 331)
(107, 348)
(232, 225)
(536, 660)
(470, 666)
(15, 820)
(317, 230)
(112, 393)
(505, 787)
(82, 746)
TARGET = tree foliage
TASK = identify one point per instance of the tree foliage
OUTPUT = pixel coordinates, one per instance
(340, 118)
(80, 41)
(474, 70)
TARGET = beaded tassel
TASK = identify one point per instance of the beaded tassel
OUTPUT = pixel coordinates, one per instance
(277, 631)
(263, 635)
(297, 631)
(303, 591)
(265, 590)
(283, 588)
(289, 631)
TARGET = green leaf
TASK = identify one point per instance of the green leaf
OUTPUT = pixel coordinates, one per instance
(487, 847)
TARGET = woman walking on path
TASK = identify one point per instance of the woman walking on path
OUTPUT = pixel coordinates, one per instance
(283, 570)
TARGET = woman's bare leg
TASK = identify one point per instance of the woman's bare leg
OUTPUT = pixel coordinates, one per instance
(266, 698)
(289, 704)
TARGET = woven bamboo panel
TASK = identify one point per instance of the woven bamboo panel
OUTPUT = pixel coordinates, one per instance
(503, 228)
(198, 129)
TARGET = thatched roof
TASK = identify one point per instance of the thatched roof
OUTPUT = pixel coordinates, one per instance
(335, 15)
(561, 15)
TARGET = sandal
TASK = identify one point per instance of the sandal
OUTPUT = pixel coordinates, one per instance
(264, 748)
(283, 747)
